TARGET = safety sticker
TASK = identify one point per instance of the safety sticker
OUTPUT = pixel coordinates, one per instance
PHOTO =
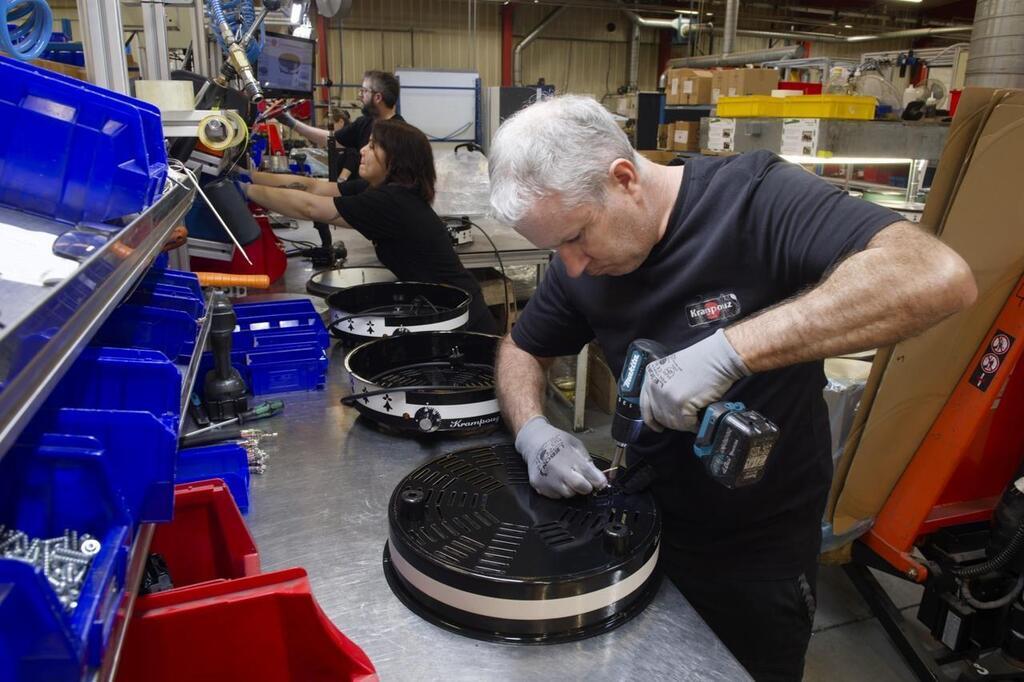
(992, 360)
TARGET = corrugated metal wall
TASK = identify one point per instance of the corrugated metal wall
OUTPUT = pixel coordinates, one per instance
(576, 53)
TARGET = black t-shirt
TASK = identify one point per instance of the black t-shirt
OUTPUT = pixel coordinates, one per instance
(355, 136)
(746, 232)
(411, 241)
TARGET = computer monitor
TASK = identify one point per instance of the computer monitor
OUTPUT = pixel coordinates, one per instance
(286, 66)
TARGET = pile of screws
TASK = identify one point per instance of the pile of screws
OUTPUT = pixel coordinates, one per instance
(64, 559)
(253, 442)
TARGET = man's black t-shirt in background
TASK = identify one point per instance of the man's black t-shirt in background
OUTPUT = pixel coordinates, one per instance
(356, 135)
(746, 232)
(411, 241)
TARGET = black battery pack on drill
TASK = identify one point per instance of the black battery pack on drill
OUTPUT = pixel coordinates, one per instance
(224, 390)
(734, 443)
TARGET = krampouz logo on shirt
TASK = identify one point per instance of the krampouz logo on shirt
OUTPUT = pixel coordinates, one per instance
(712, 310)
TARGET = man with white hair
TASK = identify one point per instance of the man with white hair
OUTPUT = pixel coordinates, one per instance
(752, 271)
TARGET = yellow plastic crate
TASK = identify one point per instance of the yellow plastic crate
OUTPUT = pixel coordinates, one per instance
(829, 106)
(747, 106)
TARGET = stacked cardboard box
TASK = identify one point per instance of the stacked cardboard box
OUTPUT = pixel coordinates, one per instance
(686, 136)
(737, 82)
(974, 207)
(688, 86)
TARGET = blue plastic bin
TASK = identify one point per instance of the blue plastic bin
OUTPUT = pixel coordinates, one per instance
(300, 368)
(122, 379)
(93, 154)
(60, 483)
(278, 315)
(188, 280)
(139, 453)
(226, 461)
(169, 297)
(150, 327)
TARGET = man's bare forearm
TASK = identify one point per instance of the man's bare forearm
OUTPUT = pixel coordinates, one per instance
(904, 282)
(521, 383)
(317, 136)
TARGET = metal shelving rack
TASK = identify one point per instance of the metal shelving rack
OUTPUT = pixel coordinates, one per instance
(46, 328)
(144, 536)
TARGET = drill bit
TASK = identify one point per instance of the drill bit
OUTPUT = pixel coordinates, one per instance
(620, 454)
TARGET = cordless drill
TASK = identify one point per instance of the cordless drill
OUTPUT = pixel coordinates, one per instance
(734, 443)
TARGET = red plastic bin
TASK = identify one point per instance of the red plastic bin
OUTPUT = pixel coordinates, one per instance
(208, 539)
(262, 628)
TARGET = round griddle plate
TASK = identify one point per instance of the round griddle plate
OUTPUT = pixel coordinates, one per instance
(327, 282)
(447, 360)
(474, 549)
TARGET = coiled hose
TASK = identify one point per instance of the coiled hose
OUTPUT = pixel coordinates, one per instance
(29, 39)
(239, 16)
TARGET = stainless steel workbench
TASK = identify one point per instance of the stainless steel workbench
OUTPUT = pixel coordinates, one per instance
(322, 505)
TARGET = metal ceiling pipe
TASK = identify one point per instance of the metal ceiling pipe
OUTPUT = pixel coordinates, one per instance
(909, 33)
(732, 12)
(634, 59)
(739, 58)
(996, 59)
(517, 54)
(832, 38)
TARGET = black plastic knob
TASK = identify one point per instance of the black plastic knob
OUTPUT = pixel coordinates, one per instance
(428, 419)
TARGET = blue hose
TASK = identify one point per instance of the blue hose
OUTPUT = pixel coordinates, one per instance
(239, 15)
(28, 40)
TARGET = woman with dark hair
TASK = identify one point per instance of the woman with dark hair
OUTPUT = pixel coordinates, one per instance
(390, 206)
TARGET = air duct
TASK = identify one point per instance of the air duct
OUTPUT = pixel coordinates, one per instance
(996, 58)
(634, 59)
(732, 12)
(517, 55)
(739, 58)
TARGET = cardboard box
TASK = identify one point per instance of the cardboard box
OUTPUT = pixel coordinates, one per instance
(752, 82)
(697, 87)
(664, 136)
(674, 86)
(719, 84)
(910, 384)
(684, 85)
(686, 136)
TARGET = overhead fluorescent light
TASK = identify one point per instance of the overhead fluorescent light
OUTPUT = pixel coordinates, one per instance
(687, 11)
(296, 17)
(846, 160)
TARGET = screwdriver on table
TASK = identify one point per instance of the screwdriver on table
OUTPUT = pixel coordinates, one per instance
(261, 411)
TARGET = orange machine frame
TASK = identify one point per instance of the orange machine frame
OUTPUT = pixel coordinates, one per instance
(928, 495)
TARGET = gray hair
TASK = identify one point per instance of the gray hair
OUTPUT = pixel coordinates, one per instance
(561, 147)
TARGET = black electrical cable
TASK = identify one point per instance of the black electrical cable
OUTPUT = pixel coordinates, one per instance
(996, 562)
(504, 277)
(995, 603)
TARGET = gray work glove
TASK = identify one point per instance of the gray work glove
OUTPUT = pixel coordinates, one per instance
(286, 118)
(558, 462)
(680, 385)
